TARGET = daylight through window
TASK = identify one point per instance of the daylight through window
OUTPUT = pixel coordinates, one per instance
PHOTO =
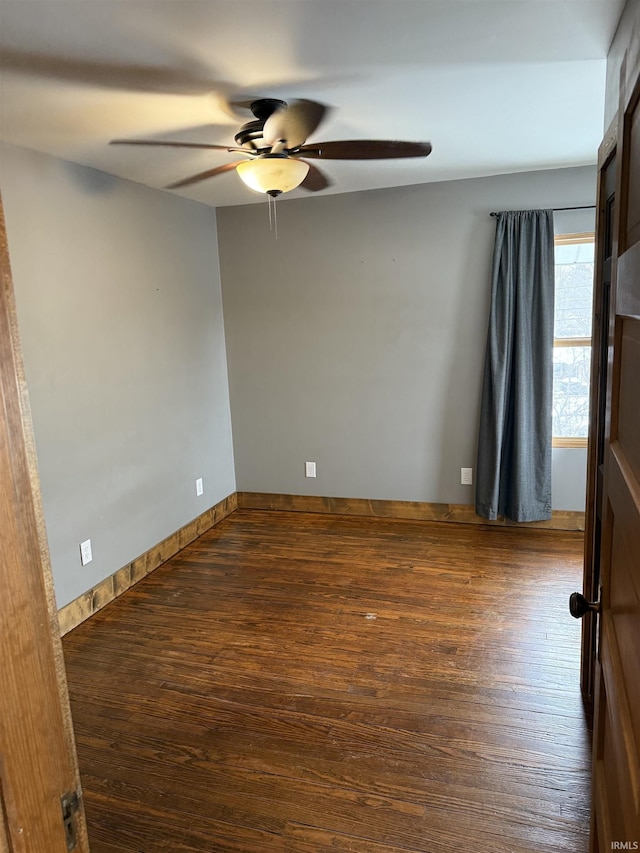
(574, 257)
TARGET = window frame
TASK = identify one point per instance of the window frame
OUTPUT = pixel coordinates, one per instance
(568, 240)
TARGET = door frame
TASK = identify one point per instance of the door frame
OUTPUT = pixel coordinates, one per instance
(598, 376)
(38, 762)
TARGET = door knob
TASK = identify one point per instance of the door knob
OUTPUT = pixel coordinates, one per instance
(578, 605)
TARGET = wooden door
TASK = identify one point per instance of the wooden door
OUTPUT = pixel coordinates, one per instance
(37, 751)
(616, 757)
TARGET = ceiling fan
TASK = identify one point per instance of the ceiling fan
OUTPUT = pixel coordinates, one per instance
(276, 150)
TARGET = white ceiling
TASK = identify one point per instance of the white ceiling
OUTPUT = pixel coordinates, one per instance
(496, 85)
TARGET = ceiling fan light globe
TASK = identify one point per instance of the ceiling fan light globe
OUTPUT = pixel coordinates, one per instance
(271, 173)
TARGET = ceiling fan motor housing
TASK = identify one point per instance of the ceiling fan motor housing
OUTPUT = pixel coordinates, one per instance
(251, 132)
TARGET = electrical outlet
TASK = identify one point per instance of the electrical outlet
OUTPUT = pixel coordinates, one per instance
(466, 476)
(199, 487)
(85, 552)
(309, 469)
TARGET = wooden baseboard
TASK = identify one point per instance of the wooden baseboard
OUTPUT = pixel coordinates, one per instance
(110, 588)
(413, 510)
(95, 599)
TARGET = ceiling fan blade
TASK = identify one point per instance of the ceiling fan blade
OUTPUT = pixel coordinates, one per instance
(108, 75)
(170, 144)
(364, 149)
(294, 123)
(202, 176)
(315, 180)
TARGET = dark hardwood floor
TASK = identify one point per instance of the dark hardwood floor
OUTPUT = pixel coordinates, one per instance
(307, 683)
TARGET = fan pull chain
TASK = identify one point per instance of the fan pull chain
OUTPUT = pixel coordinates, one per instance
(273, 214)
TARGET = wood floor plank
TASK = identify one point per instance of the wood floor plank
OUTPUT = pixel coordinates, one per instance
(310, 683)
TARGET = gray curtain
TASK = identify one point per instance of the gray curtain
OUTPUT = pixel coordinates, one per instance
(513, 474)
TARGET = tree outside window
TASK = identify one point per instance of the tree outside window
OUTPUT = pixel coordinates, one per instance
(574, 268)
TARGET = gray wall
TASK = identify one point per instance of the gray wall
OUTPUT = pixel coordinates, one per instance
(356, 339)
(119, 307)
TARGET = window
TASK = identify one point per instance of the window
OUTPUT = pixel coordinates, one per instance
(574, 256)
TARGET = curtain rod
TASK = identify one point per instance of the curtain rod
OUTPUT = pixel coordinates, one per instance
(557, 209)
